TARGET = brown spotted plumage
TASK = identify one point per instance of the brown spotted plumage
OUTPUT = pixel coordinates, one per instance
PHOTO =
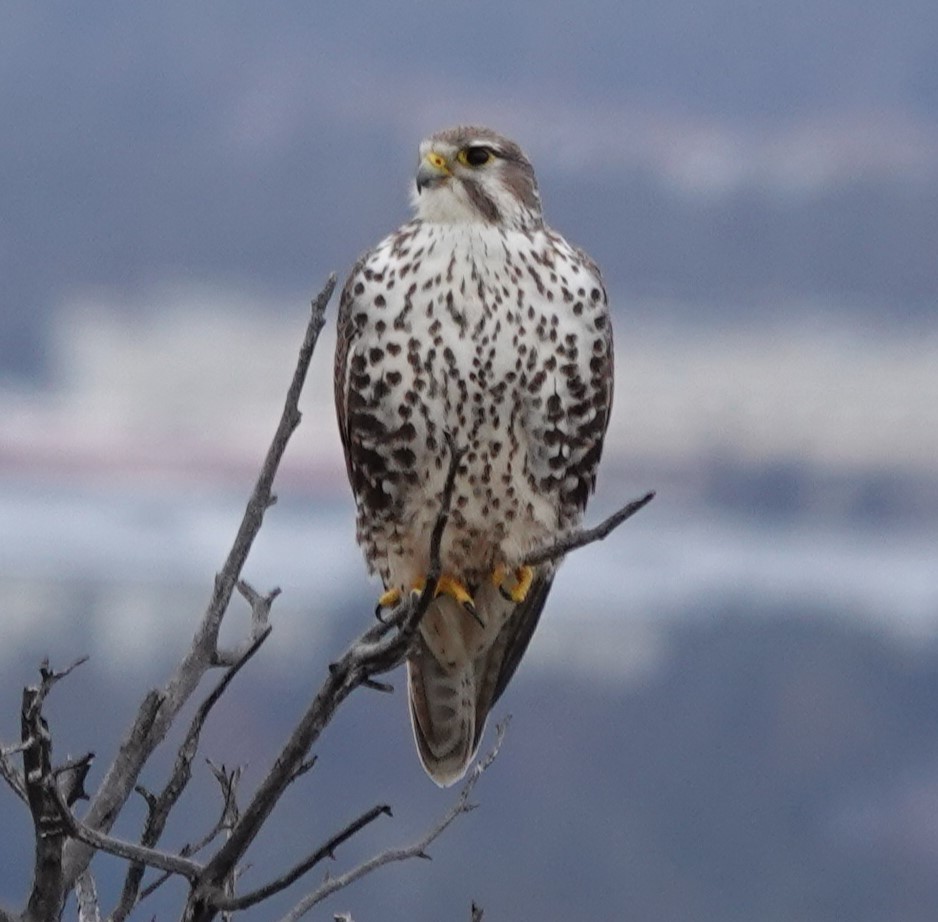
(478, 320)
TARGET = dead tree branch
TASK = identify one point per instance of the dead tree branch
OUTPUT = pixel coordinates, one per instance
(86, 894)
(326, 850)
(98, 841)
(160, 806)
(160, 708)
(588, 535)
(11, 774)
(416, 850)
(379, 650)
(260, 625)
(44, 794)
(65, 843)
(227, 785)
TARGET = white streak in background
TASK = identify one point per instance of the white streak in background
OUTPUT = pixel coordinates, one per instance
(129, 568)
(122, 485)
(810, 393)
(192, 384)
(699, 563)
(128, 573)
(183, 383)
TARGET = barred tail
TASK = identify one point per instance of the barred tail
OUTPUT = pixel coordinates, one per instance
(450, 698)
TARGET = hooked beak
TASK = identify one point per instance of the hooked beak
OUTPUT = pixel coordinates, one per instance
(433, 170)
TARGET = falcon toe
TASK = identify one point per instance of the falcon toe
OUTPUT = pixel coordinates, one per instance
(523, 578)
(456, 589)
(388, 599)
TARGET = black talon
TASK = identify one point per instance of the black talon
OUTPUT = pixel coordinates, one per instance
(505, 594)
(470, 607)
(378, 614)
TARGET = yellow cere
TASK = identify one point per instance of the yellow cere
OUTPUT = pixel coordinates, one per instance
(438, 161)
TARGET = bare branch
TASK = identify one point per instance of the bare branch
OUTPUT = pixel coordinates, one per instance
(326, 850)
(98, 841)
(228, 783)
(71, 777)
(190, 848)
(379, 650)
(303, 768)
(587, 535)
(159, 806)
(16, 748)
(261, 499)
(417, 850)
(133, 752)
(10, 773)
(47, 896)
(50, 677)
(160, 708)
(373, 653)
(260, 624)
(87, 896)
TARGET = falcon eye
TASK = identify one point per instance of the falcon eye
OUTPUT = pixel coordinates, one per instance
(475, 156)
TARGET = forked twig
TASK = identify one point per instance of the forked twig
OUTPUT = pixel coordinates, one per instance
(159, 709)
(379, 650)
(417, 849)
(10, 773)
(159, 806)
(122, 849)
(52, 792)
(327, 850)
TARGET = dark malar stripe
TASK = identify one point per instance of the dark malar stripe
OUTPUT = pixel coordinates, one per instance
(483, 204)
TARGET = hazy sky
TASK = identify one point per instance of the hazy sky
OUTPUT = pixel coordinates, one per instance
(715, 148)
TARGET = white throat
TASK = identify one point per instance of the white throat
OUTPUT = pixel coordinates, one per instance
(446, 203)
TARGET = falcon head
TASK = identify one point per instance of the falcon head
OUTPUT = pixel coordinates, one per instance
(474, 175)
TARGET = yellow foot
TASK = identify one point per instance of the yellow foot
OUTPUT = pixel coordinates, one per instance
(446, 585)
(455, 589)
(388, 599)
(449, 585)
(523, 578)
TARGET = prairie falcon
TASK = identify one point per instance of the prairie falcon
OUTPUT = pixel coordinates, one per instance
(474, 319)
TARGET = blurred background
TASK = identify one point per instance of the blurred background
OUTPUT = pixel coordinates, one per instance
(729, 709)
